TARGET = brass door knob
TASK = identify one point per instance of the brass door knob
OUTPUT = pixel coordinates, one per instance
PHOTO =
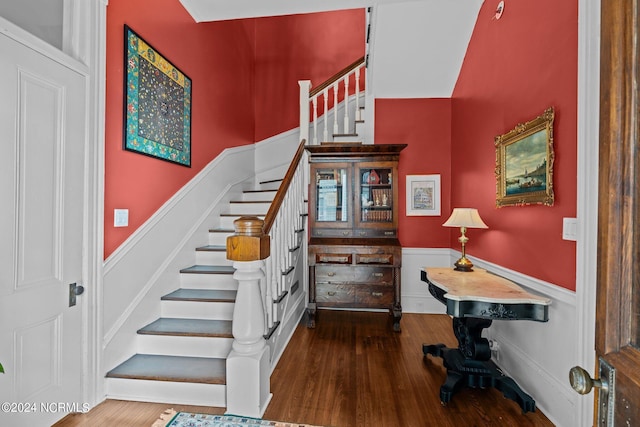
(582, 382)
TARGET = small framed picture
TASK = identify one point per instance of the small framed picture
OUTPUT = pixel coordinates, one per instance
(423, 195)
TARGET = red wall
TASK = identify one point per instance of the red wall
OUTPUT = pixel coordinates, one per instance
(424, 124)
(218, 58)
(514, 69)
(300, 47)
(245, 89)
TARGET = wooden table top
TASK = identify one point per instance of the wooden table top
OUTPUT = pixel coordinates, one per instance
(480, 285)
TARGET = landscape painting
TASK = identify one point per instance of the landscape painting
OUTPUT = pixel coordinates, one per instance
(524, 163)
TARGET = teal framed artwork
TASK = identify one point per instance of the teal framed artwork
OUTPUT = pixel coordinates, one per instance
(157, 111)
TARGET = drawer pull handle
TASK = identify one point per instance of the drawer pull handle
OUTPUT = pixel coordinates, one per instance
(331, 274)
(331, 293)
(345, 233)
(363, 233)
(376, 294)
(378, 274)
(388, 233)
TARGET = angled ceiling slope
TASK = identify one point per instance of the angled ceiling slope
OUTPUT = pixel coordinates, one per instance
(220, 10)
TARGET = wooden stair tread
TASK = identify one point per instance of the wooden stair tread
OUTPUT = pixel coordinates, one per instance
(188, 327)
(172, 368)
(212, 248)
(221, 230)
(270, 181)
(345, 134)
(209, 269)
(266, 202)
(201, 295)
(260, 191)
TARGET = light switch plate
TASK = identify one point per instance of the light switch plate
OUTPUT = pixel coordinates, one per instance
(570, 229)
(120, 217)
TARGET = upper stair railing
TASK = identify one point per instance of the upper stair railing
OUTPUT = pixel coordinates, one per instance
(310, 99)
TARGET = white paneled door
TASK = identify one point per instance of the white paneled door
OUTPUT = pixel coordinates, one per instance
(42, 133)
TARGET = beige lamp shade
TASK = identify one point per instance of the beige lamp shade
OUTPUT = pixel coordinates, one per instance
(465, 217)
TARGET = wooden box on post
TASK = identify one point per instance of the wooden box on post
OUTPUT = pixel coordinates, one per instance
(249, 243)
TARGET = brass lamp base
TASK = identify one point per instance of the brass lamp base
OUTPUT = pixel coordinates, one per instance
(463, 264)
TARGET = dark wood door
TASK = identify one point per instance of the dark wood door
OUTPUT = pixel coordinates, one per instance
(618, 294)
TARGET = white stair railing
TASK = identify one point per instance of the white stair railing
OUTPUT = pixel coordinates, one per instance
(265, 254)
(309, 102)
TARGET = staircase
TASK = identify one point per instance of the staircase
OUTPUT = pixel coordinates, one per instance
(181, 357)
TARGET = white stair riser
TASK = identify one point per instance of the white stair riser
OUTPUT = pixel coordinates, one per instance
(355, 138)
(219, 238)
(226, 222)
(212, 258)
(208, 281)
(359, 128)
(197, 310)
(270, 186)
(167, 392)
(248, 208)
(263, 196)
(171, 345)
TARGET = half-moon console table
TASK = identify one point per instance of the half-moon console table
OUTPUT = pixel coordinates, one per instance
(475, 299)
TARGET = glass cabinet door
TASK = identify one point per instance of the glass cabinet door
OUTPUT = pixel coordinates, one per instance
(331, 195)
(376, 195)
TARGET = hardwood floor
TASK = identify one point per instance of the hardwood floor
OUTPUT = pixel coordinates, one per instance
(352, 370)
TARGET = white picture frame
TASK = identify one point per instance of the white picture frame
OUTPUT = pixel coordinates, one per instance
(423, 195)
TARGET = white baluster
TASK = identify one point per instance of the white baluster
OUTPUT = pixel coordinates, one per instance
(325, 96)
(335, 108)
(315, 120)
(346, 104)
(357, 90)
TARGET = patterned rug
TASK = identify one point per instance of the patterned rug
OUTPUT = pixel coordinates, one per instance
(186, 419)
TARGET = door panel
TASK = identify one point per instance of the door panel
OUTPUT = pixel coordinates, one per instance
(42, 129)
(619, 194)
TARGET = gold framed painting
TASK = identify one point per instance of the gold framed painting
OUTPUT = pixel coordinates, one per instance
(524, 163)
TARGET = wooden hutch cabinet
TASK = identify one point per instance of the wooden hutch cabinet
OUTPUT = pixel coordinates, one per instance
(354, 253)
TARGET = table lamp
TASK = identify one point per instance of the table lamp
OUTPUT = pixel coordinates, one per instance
(464, 218)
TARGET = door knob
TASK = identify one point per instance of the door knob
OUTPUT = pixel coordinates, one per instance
(582, 382)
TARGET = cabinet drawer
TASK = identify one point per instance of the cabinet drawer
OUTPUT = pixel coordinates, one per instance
(372, 296)
(331, 232)
(374, 259)
(333, 258)
(334, 273)
(375, 233)
(373, 275)
(335, 294)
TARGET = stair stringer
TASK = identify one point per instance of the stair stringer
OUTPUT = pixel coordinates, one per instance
(147, 265)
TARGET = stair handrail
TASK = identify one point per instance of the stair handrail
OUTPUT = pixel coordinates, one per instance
(278, 199)
(337, 76)
(309, 101)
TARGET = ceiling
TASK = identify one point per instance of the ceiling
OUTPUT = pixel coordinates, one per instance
(219, 10)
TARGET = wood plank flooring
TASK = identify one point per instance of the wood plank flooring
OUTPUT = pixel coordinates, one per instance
(352, 370)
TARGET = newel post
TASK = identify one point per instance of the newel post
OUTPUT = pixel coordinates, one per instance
(248, 364)
(305, 87)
